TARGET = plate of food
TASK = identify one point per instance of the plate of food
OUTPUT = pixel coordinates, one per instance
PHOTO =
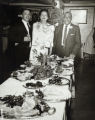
(56, 80)
(42, 72)
(58, 69)
(24, 76)
(15, 74)
(66, 72)
(68, 63)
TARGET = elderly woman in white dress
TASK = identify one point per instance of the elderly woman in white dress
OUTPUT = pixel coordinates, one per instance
(42, 41)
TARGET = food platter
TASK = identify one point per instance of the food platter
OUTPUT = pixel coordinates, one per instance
(66, 72)
(57, 80)
(68, 63)
(65, 81)
(31, 85)
(21, 75)
(27, 115)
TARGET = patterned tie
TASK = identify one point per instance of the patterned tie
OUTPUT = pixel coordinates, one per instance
(65, 35)
(29, 28)
(28, 25)
(30, 32)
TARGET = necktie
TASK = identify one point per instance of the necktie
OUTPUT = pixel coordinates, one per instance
(28, 25)
(30, 32)
(65, 35)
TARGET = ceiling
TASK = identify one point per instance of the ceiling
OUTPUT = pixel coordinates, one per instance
(27, 2)
(39, 2)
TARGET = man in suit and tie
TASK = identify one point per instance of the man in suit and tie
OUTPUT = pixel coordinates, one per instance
(67, 38)
(67, 42)
(20, 38)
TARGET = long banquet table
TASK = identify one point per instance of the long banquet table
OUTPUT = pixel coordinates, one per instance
(15, 87)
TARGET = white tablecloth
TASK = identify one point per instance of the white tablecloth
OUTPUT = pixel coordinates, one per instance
(11, 87)
(58, 115)
(14, 87)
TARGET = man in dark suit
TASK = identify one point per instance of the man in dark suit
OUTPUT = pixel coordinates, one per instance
(67, 38)
(20, 38)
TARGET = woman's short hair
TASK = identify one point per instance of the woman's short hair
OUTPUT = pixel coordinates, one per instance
(44, 10)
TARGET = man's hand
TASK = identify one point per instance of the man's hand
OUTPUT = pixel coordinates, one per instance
(27, 38)
(16, 44)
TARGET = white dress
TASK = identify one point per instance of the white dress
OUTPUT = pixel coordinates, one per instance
(42, 40)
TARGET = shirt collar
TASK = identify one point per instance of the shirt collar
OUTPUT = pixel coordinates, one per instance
(24, 21)
(67, 25)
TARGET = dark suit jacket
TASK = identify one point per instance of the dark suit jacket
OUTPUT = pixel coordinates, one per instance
(20, 52)
(18, 32)
(73, 41)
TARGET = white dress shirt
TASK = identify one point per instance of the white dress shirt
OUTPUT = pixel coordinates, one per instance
(68, 27)
(26, 26)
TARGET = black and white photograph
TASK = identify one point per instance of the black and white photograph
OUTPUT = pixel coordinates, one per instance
(47, 59)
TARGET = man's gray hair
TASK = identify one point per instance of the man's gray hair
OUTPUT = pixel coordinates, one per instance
(68, 12)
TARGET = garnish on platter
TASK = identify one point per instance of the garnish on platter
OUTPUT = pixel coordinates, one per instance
(42, 72)
(43, 107)
(56, 80)
(39, 94)
(58, 69)
(40, 58)
(31, 85)
(12, 100)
